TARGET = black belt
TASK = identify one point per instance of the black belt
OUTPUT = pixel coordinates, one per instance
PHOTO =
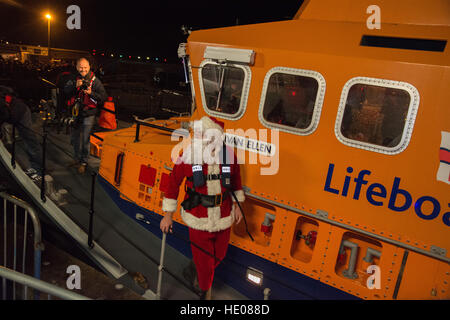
(211, 201)
(205, 200)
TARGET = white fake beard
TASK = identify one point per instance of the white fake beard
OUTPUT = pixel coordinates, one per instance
(211, 154)
(201, 151)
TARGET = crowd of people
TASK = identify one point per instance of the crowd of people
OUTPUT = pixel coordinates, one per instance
(22, 86)
(25, 78)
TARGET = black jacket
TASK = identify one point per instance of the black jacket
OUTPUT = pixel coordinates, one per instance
(12, 113)
(65, 78)
(98, 93)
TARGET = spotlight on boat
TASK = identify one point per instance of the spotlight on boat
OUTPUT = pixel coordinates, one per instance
(230, 54)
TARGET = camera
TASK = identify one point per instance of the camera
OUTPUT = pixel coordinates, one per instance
(84, 85)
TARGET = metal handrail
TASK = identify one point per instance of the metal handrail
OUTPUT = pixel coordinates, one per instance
(31, 212)
(40, 285)
(38, 244)
(161, 266)
(44, 148)
(140, 122)
(13, 151)
(91, 211)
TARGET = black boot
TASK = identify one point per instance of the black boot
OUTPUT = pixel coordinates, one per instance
(202, 295)
(190, 275)
(205, 295)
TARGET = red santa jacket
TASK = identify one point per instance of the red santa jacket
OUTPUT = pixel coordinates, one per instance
(201, 218)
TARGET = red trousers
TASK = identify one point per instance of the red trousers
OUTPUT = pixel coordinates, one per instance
(215, 243)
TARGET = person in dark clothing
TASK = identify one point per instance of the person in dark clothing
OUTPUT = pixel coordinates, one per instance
(14, 111)
(67, 77)
(87, 94)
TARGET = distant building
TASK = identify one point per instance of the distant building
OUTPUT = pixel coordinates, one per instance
(24, 52)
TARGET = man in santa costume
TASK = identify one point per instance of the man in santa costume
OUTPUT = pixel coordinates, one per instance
(208, 209)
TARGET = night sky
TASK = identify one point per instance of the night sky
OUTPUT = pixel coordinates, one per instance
(147, 28)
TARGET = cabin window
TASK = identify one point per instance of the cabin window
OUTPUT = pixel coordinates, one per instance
(292, 100)
(377, 115)
(224, 89)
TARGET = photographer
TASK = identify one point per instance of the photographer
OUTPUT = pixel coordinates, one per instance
(87, 93)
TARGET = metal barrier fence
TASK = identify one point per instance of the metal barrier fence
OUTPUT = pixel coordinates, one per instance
(39, 285)
(13, 204)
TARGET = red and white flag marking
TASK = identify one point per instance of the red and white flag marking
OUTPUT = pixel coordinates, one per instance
(443, 173)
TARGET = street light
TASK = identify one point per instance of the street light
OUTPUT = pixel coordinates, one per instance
(48, 17)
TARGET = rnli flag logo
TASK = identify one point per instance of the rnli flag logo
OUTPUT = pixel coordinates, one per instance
(443, 173)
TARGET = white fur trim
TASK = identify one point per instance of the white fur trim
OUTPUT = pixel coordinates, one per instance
(193, 152)
(207, 123)
(213, 186)
(212, 223)
(169, 205)
(239, 195)
(201, 151)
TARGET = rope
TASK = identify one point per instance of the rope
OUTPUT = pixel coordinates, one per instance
(224, 159)
(243, 215)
